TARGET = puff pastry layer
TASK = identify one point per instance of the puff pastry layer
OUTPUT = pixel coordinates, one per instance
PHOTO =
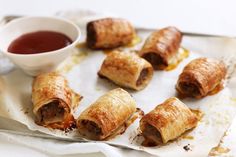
(105, 116)
(161, 46)
(53, 101)
(200, 77)
(109, 33)
(167, 121)
(127, 70)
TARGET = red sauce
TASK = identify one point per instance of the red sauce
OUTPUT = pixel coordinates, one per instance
(39, 42)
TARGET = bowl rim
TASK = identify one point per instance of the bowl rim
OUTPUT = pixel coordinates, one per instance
(73, 44)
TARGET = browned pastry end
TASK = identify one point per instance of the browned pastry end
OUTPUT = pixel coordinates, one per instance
(127, 70)
(167, 121)
(109, 33)
(200, 77)
(161, 46)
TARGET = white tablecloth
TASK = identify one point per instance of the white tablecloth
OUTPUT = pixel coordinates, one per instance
(209, 16)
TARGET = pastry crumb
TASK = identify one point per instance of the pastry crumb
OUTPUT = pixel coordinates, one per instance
(187, 148)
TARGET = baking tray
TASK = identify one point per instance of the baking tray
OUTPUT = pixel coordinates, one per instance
(81, 71)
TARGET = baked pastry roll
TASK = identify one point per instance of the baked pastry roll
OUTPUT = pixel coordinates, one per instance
(53, 101)
(109, 33)
(127, 70)
(161, 47)
(105, 116)
(200, 77)
(167, 121)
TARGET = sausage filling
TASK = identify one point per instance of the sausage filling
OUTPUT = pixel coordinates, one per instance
(152, 134)
(189, 89)
(52, 112)
(142, 77)
(90, 129)
(91, 36)
(156, 60)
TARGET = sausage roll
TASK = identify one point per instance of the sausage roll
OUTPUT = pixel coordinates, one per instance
(53, 101)
(109, 33)
(161, 47)
(105, 116)
(200, 77)
(167, 121)
(127, 70)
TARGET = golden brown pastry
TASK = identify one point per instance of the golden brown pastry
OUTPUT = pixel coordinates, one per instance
(161, 47)
(109, 33)
(105, 116)
(53, 101)
(127, 70)
(200, 77)
(167, 121)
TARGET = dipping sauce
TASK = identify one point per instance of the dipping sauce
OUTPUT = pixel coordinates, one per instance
(39, 42)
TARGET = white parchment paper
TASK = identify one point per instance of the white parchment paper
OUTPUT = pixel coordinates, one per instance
(81, 71)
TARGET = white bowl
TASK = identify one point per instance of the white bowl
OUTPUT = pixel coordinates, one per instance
(34, 64)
